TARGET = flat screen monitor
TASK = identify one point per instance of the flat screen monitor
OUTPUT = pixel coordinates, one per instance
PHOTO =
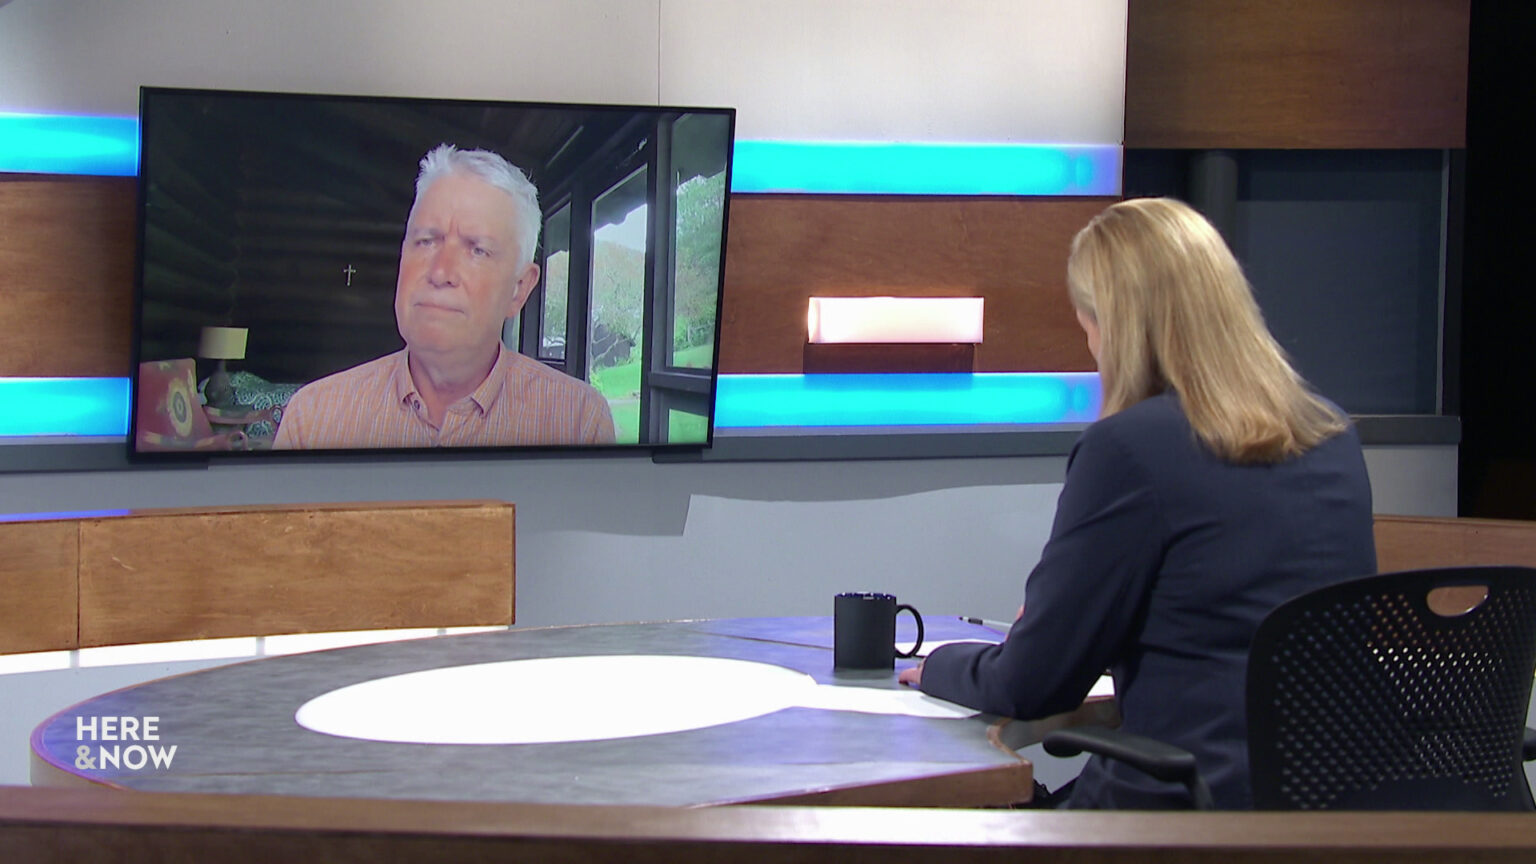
(348, 274)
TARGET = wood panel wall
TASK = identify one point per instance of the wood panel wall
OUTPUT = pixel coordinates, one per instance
(68, 246)
(66, 275)
(164, 575)
(39, 586)
(784, 249)
(1208, 74)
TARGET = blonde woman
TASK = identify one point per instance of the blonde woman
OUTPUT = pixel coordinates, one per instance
(1214, 487)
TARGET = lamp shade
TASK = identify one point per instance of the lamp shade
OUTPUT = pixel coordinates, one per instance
(222, 343)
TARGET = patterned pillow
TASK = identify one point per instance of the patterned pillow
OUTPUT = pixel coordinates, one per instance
(258, 393)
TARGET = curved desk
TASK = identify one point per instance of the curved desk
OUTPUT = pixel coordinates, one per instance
(235, 732)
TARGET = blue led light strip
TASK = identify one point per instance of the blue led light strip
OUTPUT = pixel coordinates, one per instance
(99, 406)
(39, 407)
(58, 144)
(930, 399)
(842, 167)
(65, 144)
(61, 514)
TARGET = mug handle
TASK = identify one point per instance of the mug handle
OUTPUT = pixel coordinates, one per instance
(917, 618)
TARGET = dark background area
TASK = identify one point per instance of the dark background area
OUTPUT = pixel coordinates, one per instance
(1498, 308)
(1344, 251)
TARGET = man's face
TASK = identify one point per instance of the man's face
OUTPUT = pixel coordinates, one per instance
(460, 276)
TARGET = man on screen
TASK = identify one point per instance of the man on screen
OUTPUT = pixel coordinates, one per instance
(466, 265)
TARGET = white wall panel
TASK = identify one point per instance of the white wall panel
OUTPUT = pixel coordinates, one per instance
(1028, 71)
(1413, 480)
(626, 539)
(1025, 71)
(91, 56)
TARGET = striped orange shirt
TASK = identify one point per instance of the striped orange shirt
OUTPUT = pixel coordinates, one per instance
(375, 404)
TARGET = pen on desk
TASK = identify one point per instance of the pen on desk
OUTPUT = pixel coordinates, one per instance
(1000, 626)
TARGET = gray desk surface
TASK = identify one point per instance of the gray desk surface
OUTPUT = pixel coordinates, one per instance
(235, 733)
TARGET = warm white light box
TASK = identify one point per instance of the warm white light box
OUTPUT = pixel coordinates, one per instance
(894, 319)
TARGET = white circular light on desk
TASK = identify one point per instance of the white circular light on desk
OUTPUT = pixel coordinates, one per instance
(556, 699)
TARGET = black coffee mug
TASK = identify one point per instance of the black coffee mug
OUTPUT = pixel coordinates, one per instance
(864, 631)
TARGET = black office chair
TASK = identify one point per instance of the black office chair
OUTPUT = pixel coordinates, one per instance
(1403, 691)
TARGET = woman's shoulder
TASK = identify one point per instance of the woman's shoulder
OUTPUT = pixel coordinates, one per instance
(1154, 417)
(1157, 429)
(1138, 438)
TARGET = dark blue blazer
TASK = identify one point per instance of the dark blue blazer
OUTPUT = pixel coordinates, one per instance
(1161, 562)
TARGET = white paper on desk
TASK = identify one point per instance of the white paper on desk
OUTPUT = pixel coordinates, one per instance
(913, 703)
(1105, 686)
(928, 647)
(869, 700)
(1102, 688)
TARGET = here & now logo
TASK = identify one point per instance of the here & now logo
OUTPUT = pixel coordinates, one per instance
(137, 756)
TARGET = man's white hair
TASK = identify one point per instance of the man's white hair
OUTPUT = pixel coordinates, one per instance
(445, 159)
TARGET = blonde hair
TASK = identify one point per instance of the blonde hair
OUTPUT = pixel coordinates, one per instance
(1175, 312)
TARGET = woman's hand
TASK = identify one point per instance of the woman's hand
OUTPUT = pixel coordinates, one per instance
(912, 677)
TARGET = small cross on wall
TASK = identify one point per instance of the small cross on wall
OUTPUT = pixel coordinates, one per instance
(350, 271)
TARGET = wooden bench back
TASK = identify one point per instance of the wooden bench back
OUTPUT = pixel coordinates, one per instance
(1421, 542)
(165, 575)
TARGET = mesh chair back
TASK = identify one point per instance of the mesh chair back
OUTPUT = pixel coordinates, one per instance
(1360, 696)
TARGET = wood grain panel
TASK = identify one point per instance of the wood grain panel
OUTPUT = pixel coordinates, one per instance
(155, 576)
(1416, 543)
(58, 825)
(857, 357)
(66, 275)
(1305, 73)
(38, 591)
(67, 247)
(1012, 252)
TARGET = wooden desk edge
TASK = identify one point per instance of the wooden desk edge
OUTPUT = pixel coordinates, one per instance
(1454, 521)
(995, 785)
(227, 509)
(58, 824)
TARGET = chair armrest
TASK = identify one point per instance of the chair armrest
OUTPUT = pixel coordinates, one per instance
(1528, 747)
(1154, 758)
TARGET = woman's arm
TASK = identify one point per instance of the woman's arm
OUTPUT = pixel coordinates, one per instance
(1086, 597)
